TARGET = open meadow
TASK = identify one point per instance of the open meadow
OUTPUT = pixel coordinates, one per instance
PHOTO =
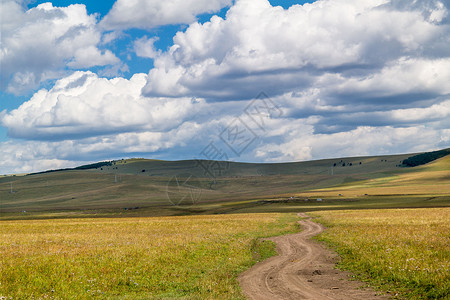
(405, 251)
(198, 257)
(115, 234)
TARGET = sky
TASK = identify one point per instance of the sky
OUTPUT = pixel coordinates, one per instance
(241, 80)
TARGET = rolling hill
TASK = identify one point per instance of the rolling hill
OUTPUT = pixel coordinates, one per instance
(155, 187)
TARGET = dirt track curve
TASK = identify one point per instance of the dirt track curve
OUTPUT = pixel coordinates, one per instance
(303, 269)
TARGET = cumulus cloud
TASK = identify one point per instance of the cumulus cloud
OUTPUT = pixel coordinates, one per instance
(144, 47)
(83, 105)
(260, 46)
(361, 141)
(147, 14)
(26, 157)
(92, 56)
(33, 156)
(39, 43)
(361, 68)
(85, 118)
(350, 77)
(407, 80)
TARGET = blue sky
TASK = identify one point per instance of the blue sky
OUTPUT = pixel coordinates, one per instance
(97, 80)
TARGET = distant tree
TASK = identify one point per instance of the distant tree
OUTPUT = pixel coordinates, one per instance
(94, 166)
(360, 163)
(143, 171)
(424, 158)
(334, 165)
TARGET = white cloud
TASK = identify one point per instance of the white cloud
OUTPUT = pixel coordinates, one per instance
(144, 47)
(112, 36)
(39, 43)
(92, 56)
(148, 14)
(26, 157)
(89, 118)
(402, 77)
(33, 156)
(352, 78)
(439, 111)
(83, 105)
(260, 47)
(358, 142)
(85, 118)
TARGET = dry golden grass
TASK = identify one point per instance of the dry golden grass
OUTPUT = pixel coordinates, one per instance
(194, 257)
(430, 179)
(404, 249)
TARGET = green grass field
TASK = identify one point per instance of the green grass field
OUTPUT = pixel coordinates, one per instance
(116, 234)
(198, 257)
(404, 251)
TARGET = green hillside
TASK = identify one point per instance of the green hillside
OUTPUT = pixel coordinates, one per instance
(154, 187)
(199, 168)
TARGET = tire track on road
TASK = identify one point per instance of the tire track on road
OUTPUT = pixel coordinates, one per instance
(303, 269)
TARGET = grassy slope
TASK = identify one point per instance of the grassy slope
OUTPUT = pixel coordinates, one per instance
(318, 167)
(78, 193)
(431, 178)
(404, 251)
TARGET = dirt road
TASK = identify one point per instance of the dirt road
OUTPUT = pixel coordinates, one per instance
(304, 269)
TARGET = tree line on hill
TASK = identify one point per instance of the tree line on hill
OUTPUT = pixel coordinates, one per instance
(423, 158)
(84, 167)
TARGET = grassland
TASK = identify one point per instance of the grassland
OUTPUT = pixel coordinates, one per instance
(197, 257)
(93, 233)
(377, 183)
(404, 251)
(429, 179)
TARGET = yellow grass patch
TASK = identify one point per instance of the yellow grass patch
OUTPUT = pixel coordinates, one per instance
(433, 178)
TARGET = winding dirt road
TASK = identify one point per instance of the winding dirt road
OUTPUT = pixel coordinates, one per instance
(303, 269)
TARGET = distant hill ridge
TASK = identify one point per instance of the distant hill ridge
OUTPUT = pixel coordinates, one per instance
(200, 168)
(180, 187)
